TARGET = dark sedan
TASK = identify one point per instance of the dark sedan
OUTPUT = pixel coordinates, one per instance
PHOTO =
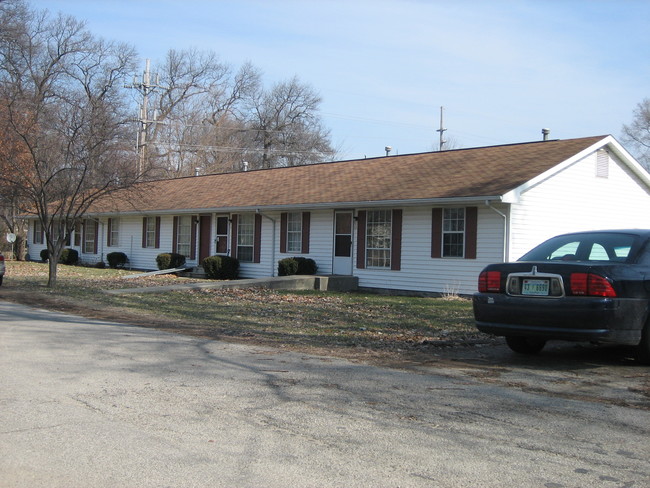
(586, 286)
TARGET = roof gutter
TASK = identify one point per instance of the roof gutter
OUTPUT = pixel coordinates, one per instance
(313, 206)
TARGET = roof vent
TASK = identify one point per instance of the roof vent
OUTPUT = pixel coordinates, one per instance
(545, 133)
(244, 165)
(388, 149)
(197, 171)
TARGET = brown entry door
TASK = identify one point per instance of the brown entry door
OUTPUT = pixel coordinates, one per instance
(205, 228)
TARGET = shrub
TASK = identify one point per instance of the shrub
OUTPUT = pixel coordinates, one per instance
(69, 256)
(287, 267)
(100, 265)
(116, 259)
(169, 260)
(296, 265)
(306, 266)
(221, 267)
(45, 255)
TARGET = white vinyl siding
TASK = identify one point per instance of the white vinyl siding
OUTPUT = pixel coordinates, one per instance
(421, 273)
(578, 199)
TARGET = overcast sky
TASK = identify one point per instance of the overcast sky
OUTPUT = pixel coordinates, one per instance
(503, 70)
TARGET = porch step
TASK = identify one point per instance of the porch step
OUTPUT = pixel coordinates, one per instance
(195, 272)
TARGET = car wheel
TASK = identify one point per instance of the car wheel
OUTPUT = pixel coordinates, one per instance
(1, 276)
(643, 349)
(525, 345)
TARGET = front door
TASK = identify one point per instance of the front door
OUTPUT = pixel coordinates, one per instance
(342, 261)
(221, 239)
(205, 228)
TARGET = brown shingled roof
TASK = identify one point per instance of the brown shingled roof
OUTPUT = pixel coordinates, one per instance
(478, 172)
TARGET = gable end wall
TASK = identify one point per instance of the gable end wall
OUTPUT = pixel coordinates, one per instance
(576, 199)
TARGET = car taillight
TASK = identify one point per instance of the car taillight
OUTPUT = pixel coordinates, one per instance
(590, 284)
(2, 258)
(489, 282)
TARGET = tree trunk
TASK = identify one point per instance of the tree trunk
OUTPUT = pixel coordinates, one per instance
(54, 261)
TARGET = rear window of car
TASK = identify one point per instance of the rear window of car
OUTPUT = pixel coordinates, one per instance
(597, 246)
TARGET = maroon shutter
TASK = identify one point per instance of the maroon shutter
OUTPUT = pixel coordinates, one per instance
(257, 245)
(194, 220)
(283, 232)
(144, 232)
(175, 234)
(157, 232)
(96, 237)
(361, 239)
(108, 234)
(471, 224)
(233, 236)
(306, 221)
(396, 244)
(436, 233)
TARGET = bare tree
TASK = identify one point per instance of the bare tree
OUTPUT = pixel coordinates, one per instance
(210, 117)
(637, 134)
(197, 113)
(286, 127)
(60, 90)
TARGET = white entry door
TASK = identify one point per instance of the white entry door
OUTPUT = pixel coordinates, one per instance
(342, 261)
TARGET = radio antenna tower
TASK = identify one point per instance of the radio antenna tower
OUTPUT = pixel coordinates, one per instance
(145, 87)
(441, 130)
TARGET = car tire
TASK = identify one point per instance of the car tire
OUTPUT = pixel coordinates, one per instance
(525, 345)
(1, 276)
(643, 349)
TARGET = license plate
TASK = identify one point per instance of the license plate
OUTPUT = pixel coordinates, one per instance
(535, 287)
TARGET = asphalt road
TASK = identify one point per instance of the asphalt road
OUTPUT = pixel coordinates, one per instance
(97, 404)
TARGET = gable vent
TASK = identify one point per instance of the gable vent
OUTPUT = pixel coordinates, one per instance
(602, 163)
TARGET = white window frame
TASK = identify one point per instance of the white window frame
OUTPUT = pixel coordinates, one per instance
(38, 232)
(114, 236)
(184, 235)
(150, 233)
(294, 232)
(90, 232)
(454, 224)
(379, 233)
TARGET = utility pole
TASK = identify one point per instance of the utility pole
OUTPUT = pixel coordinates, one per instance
(441, 130)
(145, 87)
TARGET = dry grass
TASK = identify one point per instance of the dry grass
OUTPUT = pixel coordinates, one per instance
(310, 320)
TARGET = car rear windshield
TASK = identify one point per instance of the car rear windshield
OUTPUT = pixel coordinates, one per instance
(597, 246)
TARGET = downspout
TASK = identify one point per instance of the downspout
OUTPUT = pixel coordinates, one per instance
(272, 241)
(504, 256)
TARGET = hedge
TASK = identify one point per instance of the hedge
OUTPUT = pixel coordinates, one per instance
(170, 260)
(116, 259)
(221, 267)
